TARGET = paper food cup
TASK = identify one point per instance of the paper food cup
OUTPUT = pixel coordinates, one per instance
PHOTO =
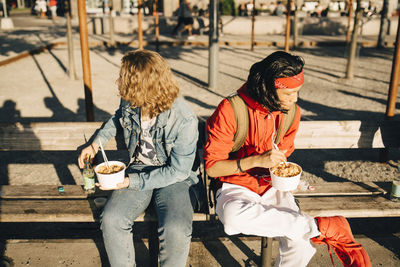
(110, 180)
(285, 183)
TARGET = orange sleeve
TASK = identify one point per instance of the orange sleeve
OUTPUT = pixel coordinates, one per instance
(221, 128)
(287, 143)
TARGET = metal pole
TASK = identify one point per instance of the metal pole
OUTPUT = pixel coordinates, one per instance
(140, 31)
(295, 24)
(4, 9)
(85, 60)
(287, 36)
(353, 45)
(253, 19)
(266, 251)
(156, 22)
(70, 41)
(384, 24)
(213, 46)
(111, 22)
(348, 32)
(394, 78)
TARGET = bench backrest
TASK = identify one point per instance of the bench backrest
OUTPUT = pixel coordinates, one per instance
(348, 134)
(311, 134)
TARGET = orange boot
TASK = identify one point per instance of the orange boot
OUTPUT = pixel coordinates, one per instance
(336, 233)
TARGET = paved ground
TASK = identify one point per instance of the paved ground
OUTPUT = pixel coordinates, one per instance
(37, 88)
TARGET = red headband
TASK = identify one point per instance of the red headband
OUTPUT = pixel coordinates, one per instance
(290, 82)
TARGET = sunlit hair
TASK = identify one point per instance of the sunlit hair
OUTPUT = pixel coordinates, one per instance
(146, 81)
(262, 76)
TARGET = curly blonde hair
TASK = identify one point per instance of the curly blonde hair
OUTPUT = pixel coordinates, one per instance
(146, 81)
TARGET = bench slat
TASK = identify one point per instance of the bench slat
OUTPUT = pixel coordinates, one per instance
(347, 134)
(351, 207)
(46, 192)
(59, 211)
(47, 211)
(345, 189)
(85, 211)
(311, 134)
(76, 191)
(48, 135)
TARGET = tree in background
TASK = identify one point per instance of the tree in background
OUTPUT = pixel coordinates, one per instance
(227, 7)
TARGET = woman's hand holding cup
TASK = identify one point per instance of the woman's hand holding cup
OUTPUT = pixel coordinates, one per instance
(124, 184)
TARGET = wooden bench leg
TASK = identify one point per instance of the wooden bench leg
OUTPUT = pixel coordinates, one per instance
(266, 251)
(153, 244)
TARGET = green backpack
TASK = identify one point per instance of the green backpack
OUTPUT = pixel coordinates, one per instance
(242, 121)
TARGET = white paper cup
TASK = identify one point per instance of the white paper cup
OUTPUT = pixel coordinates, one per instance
(285, 183)
(110, 180)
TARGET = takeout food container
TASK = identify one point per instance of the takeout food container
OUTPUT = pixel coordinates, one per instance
(110, 180)
(286, 183)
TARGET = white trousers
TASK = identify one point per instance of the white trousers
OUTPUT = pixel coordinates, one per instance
(274, 214)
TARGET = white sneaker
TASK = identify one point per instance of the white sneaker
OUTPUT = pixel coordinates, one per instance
(191, 37)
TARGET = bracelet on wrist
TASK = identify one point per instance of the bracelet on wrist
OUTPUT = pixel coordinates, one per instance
(238, 165)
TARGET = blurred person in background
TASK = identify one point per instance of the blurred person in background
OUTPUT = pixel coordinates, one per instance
(53, 8)
(185, 20)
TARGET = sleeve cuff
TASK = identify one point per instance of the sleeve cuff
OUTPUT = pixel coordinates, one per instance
(134, 181)
(98, 139)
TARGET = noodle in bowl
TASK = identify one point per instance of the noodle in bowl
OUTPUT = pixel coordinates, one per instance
(285, 176)
(110, 177)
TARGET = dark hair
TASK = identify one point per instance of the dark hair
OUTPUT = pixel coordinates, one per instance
(261, 79)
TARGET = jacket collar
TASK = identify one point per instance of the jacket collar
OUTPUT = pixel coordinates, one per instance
(161, 120)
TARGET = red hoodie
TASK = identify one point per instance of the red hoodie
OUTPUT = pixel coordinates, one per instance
(221, 127)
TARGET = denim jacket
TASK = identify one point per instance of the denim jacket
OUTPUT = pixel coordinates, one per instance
(174, 134)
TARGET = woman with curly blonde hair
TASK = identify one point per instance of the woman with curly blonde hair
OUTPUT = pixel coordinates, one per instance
(160, 132)
(147, 82)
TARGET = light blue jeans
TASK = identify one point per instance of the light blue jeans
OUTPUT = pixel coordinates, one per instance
(175, 215)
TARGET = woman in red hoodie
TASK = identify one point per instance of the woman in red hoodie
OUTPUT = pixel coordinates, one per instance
(246, 201)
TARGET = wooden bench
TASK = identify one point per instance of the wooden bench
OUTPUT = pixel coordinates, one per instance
(40, 203)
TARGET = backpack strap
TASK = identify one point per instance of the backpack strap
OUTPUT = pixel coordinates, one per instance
(242, 120)
(288, 120)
